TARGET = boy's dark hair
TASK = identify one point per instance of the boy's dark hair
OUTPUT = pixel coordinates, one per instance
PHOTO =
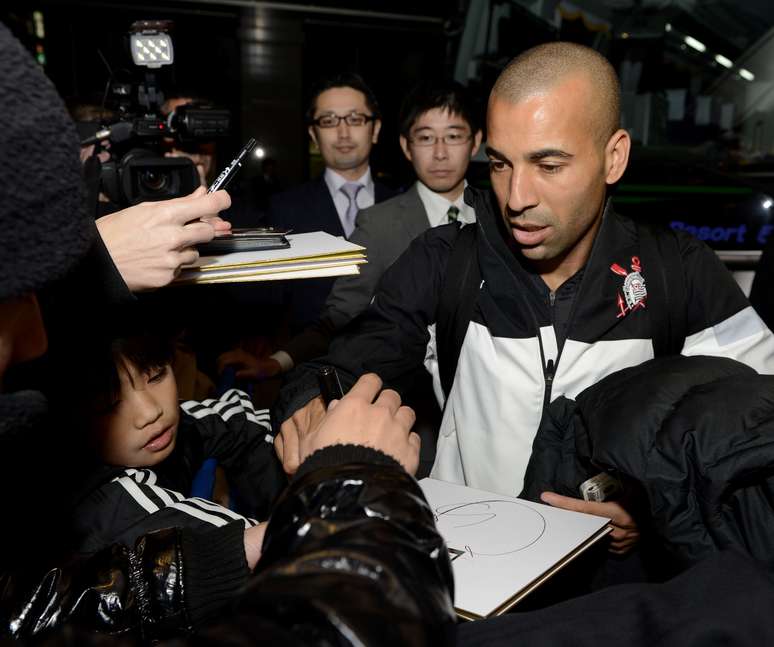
(442, 94)
(127, 333)
(342, 80)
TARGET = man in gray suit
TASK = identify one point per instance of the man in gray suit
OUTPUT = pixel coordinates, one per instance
(439, 133)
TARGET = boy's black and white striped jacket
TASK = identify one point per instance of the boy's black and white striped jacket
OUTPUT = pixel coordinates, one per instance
(121, 504)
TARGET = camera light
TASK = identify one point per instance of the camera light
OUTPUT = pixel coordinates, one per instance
(152, 50)
(259, 152)
(766, 204)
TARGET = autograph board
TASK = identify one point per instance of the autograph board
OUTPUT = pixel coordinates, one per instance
(502, 548)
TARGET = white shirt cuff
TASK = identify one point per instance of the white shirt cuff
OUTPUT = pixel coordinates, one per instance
(285, 361)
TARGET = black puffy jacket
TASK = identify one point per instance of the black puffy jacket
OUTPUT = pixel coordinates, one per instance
(696, 436)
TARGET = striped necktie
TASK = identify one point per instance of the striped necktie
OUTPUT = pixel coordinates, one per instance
(453, 214)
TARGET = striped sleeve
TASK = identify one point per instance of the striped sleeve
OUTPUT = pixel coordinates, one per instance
(233, 403)
(239, 438)
(141, 489)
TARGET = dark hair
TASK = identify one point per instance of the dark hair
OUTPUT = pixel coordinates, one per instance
(443, 94)
(131, 333)
(342, 80)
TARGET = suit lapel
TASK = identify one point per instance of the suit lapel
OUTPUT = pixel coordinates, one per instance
(412, 215)
(324, 210)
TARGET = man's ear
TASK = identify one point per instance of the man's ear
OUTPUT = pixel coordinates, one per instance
(313, 136)
(377, 128)
(405, 147)
(617, 155)
(476, 143)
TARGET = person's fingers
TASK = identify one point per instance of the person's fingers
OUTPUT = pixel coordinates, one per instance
(194, 233)
(565, 502)
(265, 367)
(196, 206)
(218, 224)
(366, 388)
(249, 374)
(610, 509)
(279, 446)
(226, 359)
(390, 400)
(332, 404)
(187, 257)
(406, 417)
(415, 441)
(627, 543)
(198, 191)
(290, 445)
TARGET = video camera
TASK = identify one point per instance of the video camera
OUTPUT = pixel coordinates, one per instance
(138, 171)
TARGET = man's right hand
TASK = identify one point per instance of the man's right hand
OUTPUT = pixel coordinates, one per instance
(356, 419)
(248, 366)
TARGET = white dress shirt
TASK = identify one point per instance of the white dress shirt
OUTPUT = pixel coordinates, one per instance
(436, 206)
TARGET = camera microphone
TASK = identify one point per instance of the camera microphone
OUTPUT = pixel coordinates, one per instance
(118, 132)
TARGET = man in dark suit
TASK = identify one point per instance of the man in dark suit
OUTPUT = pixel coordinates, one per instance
(344, 122)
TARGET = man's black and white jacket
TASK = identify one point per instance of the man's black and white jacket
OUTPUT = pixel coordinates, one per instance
(119, 504)
(525, 346)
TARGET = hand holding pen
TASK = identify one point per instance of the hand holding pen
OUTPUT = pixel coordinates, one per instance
(366, 415)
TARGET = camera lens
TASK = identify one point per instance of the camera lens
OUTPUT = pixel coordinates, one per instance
(146, 176)
(154, 179)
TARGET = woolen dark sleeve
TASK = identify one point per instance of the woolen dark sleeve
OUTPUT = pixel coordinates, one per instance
(214, 570)
(341, 455)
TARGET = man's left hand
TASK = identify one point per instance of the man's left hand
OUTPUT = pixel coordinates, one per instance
(625, 534)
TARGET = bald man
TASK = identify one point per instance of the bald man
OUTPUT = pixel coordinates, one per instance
(551, 286)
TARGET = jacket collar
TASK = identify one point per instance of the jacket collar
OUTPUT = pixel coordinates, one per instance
(598, 298)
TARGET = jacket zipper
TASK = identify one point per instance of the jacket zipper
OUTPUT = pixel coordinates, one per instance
(549, 366)
(549, 370)
(548, 376)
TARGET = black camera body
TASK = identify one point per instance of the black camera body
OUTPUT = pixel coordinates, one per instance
(138, 170)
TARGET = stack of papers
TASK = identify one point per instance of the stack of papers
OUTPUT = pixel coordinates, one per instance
(311, 255)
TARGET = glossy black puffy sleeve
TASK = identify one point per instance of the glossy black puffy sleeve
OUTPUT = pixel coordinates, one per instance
(351, 557)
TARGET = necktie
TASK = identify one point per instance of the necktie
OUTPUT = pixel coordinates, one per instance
(453, 214)
(350, 189)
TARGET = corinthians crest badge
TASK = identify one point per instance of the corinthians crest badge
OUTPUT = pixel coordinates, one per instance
(633, 294)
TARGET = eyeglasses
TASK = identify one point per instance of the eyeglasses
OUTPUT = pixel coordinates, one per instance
(450, 139)
(352, 119)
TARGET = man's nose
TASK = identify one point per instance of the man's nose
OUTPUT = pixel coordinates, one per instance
(522, 194)
(342, 130)
(440, 151)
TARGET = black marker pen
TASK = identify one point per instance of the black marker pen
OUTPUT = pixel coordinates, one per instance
(330, 386)
(228, 173)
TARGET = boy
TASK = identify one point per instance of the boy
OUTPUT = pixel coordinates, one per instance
(144, 448)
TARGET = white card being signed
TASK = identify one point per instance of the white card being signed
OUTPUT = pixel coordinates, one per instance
(502, 548)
